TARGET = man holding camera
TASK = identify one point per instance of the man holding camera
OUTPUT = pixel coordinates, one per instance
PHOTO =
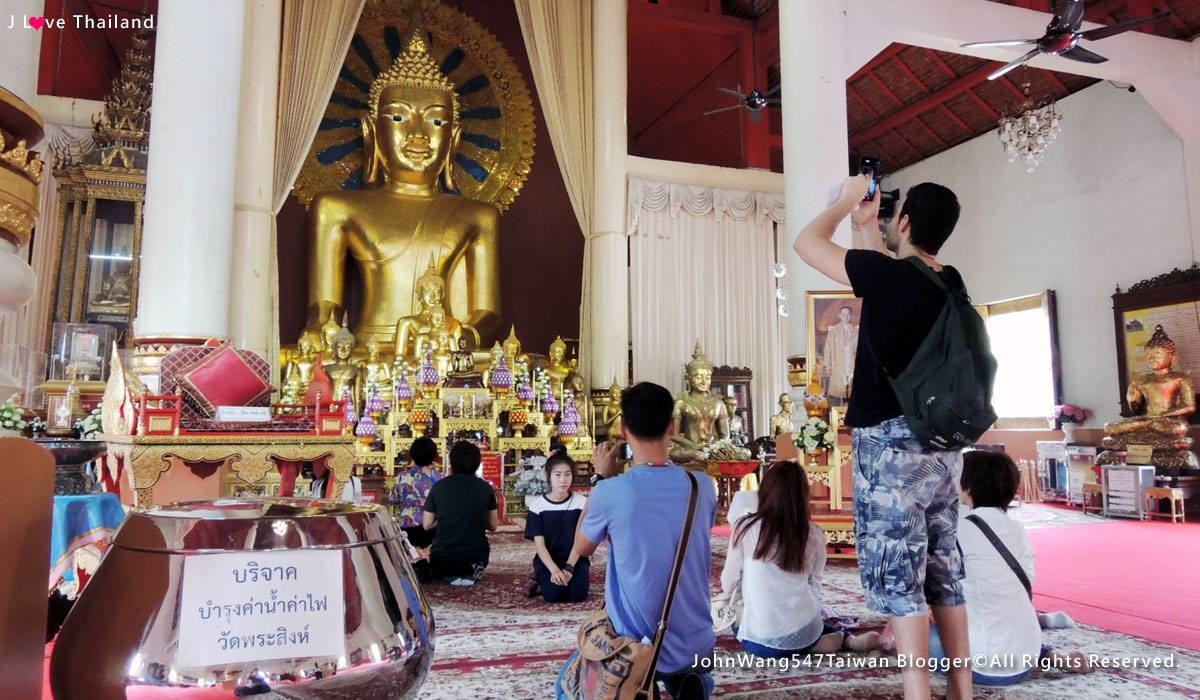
(905, 495)
(641, 514)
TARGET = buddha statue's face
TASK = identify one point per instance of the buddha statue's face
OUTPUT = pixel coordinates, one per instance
(372, 351)
(343, 348)
(614, 395)
(305, 345)
(414, 132)
(700, 379)
(1160, 358)
(432, 295)
(512, 348)
(557, 352)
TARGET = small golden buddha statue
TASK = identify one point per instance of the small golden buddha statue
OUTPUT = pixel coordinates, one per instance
(300, 367)
(782, 422)
(376, 374)
(1161, 401)
(557, 369)
(343, 373)
(700, 417)
(431, 290)
(329, 331)
(512, 349)
(610, 418)
(404, 213)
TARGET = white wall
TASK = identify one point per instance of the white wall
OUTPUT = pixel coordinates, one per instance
(1108, 206)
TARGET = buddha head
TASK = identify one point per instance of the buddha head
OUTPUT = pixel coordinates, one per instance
(512, 346)
(614, 392)
(431, 288)
(1160, 350)
(558, 350)
(372, 350)
(699, 371)
(305, 345)
(785, 404)
(343, 345)
(730, 405)
(412, 127)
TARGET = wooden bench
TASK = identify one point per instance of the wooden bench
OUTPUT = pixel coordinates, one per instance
(1152, 495)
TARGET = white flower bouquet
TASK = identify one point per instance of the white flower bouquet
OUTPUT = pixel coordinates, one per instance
(532, 479)
(88, 427)
(11, 415)
(814, 434)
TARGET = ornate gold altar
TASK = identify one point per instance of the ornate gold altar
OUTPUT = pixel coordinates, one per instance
(102, 189)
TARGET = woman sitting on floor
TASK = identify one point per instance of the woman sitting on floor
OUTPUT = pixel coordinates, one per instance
(1002, 624)
(778, 554)
(561, 574)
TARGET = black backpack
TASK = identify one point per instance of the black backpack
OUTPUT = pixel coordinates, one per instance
(946, 390)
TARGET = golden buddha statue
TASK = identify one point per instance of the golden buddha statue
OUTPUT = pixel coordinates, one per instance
(782, 422)
(300, 366)
(462, 372)
(343, 373)
(512, 349)
(329, 331)
(376, 374)
(400, 217)
(557, 369)
(610, 418)
(1161, 401)
(431, 291)
(700, 417)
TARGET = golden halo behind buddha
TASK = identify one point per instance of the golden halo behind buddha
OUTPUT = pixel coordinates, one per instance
(493, 106)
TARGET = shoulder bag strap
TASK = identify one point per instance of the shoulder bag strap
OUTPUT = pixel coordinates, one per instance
(1007, 555)
(679, 552)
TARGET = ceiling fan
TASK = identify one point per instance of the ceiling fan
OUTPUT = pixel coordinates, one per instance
(755, 101)
(1062, 37)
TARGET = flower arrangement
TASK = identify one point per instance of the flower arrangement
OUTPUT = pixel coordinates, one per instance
(814, 434)
(1070, 413)
(532, 479)
(541, 384)
(725, 450)
(11, 415)
(88, 427)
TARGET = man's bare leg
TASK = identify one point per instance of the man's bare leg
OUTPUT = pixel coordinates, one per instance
(952, 629)
(912, 642)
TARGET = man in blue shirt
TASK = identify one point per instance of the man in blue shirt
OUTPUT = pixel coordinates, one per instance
(641, 514)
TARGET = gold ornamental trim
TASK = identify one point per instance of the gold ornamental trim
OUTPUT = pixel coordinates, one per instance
(18, 221)
(495, 152)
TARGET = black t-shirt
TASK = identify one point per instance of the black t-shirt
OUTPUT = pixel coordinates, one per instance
(900, 306)
(556, 522)
(461, 503)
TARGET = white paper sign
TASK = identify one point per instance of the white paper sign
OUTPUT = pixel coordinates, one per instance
(243, 414)
(255, 606)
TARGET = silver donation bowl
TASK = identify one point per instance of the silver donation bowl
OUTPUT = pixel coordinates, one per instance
(122, 639)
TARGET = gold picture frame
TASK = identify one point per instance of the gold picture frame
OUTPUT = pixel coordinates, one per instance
(824, 310)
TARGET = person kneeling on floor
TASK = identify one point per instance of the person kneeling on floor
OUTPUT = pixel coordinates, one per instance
(562, 575)
(462, 507)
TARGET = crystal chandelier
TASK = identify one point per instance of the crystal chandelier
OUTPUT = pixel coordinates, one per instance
(1028, 132)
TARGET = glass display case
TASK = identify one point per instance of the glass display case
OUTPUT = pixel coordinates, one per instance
(735, 382)
(79, 352)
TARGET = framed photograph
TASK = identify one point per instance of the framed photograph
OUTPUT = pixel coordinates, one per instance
(1172, 301)
(832, 326)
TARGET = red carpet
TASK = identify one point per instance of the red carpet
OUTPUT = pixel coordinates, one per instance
(1134, 577)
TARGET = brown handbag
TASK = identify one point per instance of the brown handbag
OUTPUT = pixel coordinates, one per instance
(610, 666)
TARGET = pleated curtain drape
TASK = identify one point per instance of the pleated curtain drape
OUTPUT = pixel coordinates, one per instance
(558, 39)
(316, 35)
(700, 269)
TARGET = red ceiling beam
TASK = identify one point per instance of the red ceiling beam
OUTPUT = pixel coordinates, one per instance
(886, 90)
(945, 67)
(851, 92)
(958, 120)
(691, 106)
(955, 88)
(881, 58)
(1058, 83)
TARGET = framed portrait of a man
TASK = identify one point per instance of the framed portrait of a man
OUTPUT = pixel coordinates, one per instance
(833, 321)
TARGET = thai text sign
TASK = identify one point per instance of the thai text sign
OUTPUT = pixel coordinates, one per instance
(492, 465)
(255, 606)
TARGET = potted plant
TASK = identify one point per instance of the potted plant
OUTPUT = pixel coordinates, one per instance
(12, 418)
(1070, 416)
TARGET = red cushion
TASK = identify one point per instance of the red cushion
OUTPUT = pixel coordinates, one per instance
(221, 378)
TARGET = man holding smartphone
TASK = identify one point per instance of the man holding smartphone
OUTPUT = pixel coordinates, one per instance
(905, 495)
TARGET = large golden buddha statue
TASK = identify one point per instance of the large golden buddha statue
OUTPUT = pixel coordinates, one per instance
(1161, 401)
(400, 218)
(700, 417)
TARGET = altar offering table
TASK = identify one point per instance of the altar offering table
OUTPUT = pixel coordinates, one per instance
(146, 458)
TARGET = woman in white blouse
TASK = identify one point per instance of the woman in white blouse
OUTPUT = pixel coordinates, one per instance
(777, 555)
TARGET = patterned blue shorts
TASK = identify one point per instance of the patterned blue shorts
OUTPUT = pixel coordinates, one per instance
(906, 521)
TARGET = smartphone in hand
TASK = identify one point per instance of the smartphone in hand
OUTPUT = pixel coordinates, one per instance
(870, 167)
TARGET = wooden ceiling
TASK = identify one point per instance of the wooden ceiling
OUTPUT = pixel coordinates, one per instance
(82, 62)
(905, 105)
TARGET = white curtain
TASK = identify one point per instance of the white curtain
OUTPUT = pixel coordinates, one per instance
(558, 39)
(700, 269)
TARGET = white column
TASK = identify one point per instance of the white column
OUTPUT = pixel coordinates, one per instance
(22, 46)
(249, 303)
(186, 248)
(609, 266)
(815, 142)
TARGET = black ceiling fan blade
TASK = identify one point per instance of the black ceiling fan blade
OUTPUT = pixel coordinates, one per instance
(1013, 64)
(1004, 42)
(723, 109)
(756, 116)
(1081, 54)
(1104, 32)
(736, 93)
(774, 91)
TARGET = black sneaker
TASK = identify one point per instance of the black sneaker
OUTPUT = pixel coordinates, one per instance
(691, 688)
(477, 573)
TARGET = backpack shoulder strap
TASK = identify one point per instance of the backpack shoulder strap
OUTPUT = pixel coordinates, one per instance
(1007, 555)
(928, 272)
(675, 569)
